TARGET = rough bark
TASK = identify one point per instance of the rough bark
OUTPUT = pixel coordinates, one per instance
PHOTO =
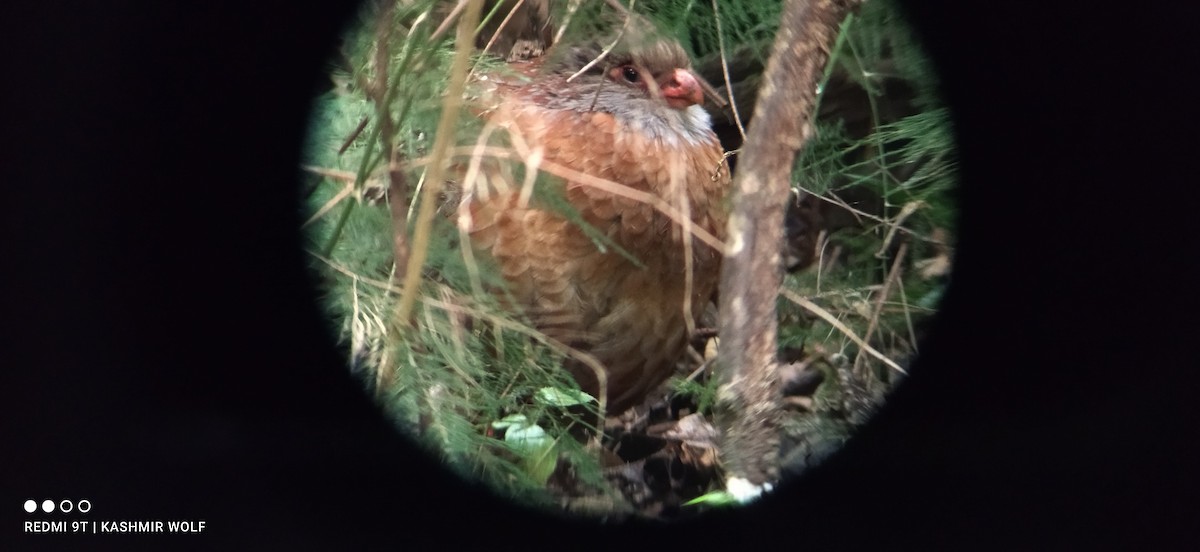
(748, 400)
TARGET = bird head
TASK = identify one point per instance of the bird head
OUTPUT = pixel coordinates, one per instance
(636, 62)
(640, 76)
(658, 77)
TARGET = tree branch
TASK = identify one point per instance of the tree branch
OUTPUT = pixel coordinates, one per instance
(748, 398)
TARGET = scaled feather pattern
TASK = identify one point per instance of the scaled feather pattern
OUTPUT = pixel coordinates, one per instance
(633, 119)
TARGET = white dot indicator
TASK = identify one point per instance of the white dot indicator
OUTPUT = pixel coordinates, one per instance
(47, 506)
(30, 505)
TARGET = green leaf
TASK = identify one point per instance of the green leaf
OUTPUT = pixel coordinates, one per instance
(510, 421)
(540, 463)
(539, 455)
(527, 437)
(553, 396)
(716, 498)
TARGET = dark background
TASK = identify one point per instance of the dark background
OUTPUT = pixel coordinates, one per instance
(163, 356)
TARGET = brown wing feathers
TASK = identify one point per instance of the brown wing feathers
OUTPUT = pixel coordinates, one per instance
(628, 315)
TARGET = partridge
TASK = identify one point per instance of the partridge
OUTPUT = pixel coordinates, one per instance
(607, 275)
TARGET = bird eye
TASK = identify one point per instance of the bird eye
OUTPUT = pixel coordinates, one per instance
(630, 73)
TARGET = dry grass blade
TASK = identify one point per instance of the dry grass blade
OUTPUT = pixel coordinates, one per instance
(894, 225)
(497, 321)
(445, 132)
(908, 209)
(397, 200)
(584, 179)
(581, 356)
(329, 205)
(833, 321)
(679, 187)
(344, 176)
(464, 222)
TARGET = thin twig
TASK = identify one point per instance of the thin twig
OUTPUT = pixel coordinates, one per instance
(737, 118)
(362, 125)
(823, 241)
(503, 23)
(893, 275)
(840, 203)
(603, 53)
(572, 7)
(450, 19)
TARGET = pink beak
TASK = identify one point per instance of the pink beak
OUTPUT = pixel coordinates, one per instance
(682, 90)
